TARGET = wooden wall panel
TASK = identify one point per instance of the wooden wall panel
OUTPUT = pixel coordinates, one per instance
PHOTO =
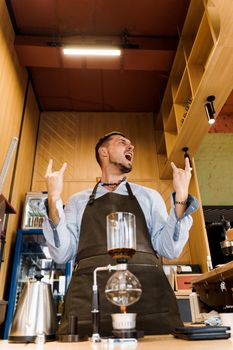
(13, 80)
(23, 177)
(72, 137)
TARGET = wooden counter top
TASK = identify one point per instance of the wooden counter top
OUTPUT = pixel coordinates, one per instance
(221, 273)
(209, 285)
(148, 343)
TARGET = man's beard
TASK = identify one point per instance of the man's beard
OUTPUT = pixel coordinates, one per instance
(123, 168)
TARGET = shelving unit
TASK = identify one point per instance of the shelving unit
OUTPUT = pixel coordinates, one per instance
(194, 16)
(208, 285)
(197, 72)
(171, 125)
(32, 257)
(178, 70)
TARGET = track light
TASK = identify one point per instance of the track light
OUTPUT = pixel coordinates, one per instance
(186, 155)
(209, 108)
(91, 51)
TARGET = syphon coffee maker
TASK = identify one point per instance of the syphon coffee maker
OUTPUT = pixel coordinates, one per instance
(122, 288)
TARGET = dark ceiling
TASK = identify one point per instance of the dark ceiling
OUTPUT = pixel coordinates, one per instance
(134, 82)
(147, 30)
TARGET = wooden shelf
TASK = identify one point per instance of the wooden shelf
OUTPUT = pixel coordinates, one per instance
(221, 273)
(170, 123)
(167, 102)
(202, 67)
(214, 20)
(195, 75)
(203, 44)
(184, 92)
(170, 140)
(183, 100)
(177, 69)
(160, 142)
(187, 43)
(180, 113)
(191, 25)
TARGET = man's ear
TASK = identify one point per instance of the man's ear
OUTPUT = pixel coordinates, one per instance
(103, 152)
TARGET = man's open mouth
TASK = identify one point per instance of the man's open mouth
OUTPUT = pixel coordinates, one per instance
(128, 156)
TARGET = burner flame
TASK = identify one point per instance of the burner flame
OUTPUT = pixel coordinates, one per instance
(123, 309)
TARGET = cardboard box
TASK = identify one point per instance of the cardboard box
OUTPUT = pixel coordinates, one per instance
(183, 281)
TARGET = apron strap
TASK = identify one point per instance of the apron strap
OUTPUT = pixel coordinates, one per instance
(130, 192)
(92, 196)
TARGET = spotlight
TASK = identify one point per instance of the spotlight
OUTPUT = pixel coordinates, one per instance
(186, 155)
(209, 108)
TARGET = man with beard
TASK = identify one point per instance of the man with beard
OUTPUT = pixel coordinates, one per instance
(80, 231)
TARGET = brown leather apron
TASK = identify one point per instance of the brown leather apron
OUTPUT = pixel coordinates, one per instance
(157, 311)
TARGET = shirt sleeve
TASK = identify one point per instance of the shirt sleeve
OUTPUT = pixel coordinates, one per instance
(62, 239)
(169, 233)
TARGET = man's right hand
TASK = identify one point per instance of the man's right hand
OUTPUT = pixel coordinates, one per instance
(54, 181)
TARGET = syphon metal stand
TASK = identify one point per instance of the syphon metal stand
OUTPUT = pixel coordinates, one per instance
(95, 303)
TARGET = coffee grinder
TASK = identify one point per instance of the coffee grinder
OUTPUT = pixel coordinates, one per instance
(122, 288)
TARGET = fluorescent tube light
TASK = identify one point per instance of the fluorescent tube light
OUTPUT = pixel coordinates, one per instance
(83, 51)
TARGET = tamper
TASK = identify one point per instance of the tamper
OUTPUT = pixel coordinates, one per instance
(72, 335)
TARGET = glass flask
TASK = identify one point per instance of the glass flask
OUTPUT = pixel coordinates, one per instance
(123, 288)
(121, 235)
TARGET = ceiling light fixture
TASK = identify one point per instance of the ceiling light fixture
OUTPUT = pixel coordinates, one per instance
(209, 108)
(186, 155)
(91, 51)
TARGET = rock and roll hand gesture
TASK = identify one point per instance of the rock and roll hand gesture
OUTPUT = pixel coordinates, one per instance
(54, 181)
(181, 181)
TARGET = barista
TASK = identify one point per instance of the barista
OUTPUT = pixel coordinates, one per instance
(80, 231)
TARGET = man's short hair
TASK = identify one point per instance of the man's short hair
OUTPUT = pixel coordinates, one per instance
(102, 141)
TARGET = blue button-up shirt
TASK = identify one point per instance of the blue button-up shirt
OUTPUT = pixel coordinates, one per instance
(168, 233)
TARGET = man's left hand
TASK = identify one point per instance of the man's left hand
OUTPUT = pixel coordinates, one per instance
(181, 180)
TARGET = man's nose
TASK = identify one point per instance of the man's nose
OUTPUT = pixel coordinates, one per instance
(131, 147)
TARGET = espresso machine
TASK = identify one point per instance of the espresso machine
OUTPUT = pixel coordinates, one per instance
(122, 288)
(221, 247)
(226, 244)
